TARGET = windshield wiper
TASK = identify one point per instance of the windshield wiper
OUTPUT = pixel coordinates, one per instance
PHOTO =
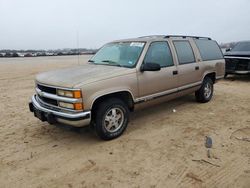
(111, 62)
(91, 61)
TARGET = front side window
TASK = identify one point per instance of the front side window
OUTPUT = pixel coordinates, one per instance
(124, 54)
(159, 53)
(184, 52)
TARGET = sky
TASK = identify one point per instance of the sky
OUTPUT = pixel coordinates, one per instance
(57, 24)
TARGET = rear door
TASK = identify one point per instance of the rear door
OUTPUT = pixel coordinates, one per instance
(189, 73)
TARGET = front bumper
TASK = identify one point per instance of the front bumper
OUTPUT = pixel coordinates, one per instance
(53, 116)
(237, 72)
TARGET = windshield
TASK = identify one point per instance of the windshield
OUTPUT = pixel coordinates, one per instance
(124, 54)
(242, 46)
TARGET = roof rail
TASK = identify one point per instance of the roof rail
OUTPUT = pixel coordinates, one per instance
(151, 36)
(184, 36)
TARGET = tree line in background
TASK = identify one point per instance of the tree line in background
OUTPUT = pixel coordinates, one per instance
(65, 52)
(228, 45)
(37, 53)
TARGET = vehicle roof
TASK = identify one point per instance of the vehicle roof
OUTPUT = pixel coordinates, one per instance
(159, 37)
(243, 41)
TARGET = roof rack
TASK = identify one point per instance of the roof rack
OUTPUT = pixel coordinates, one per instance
(152, 36)
(184, 36)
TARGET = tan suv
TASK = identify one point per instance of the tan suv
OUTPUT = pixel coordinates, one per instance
(126, 75)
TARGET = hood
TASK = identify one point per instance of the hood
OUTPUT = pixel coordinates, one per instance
(82, 74)
(238, 53)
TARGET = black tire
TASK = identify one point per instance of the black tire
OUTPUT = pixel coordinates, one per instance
(101, 113)
(203, 95)
(225, 75)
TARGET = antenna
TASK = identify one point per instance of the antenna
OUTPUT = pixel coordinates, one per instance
(77, 44)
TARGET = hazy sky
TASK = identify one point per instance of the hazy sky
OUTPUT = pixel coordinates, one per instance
(51, 24)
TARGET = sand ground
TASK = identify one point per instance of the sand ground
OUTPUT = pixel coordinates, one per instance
(160, 148)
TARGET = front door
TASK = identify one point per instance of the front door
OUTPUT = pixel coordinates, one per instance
(154, 84)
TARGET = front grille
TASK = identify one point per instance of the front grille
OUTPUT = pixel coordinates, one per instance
(46, 89)
(237, 64)
(242, 65)
(48, 101)
(50, 90)
(231, 64)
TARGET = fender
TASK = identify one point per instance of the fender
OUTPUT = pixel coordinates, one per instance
(104, 93)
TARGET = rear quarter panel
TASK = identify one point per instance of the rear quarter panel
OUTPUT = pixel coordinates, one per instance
(213, 66)
(210, 66)
(220, 68)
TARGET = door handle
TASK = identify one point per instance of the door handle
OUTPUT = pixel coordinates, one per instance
(197, 68)
(175, 72)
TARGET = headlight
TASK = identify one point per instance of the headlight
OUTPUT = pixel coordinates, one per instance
(66, 105)
(75, 106)
(72, 94)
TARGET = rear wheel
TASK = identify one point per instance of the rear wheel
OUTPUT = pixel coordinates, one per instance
(205, 93)
(111, 118)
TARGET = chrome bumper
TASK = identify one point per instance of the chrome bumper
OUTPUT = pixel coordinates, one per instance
(242, 72)
(78, 119)
(237, 72)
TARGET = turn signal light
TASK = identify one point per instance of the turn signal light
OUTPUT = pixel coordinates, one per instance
(78, 106)
(77, 94)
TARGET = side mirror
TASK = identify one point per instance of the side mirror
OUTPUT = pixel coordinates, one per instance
(228, 49)
(150, 67)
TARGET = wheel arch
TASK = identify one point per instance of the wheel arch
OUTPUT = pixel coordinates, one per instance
(211, 75)
(124, 95)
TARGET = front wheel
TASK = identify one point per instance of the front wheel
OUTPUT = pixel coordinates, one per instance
(111, 118)
(205, 93)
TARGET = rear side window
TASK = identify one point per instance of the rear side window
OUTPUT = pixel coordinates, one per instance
(159, 53)
(209, 50)
(184, 52)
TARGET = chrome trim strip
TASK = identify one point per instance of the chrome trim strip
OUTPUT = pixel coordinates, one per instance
(60, 114)
(58, 87)
(150, 97)
(235, 57)
(160, 94)
(189, 86)
(56, 97)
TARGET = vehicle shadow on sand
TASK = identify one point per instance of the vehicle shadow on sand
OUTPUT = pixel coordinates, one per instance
(87, 133)
(243, 78)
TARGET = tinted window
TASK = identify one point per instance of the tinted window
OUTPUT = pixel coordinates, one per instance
(184, 52)
(242, 46)
(209, 50)
(159, 53)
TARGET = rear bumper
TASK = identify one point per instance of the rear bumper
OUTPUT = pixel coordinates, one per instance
(78, 119)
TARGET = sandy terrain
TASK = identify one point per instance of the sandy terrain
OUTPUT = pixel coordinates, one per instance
(160, 148)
